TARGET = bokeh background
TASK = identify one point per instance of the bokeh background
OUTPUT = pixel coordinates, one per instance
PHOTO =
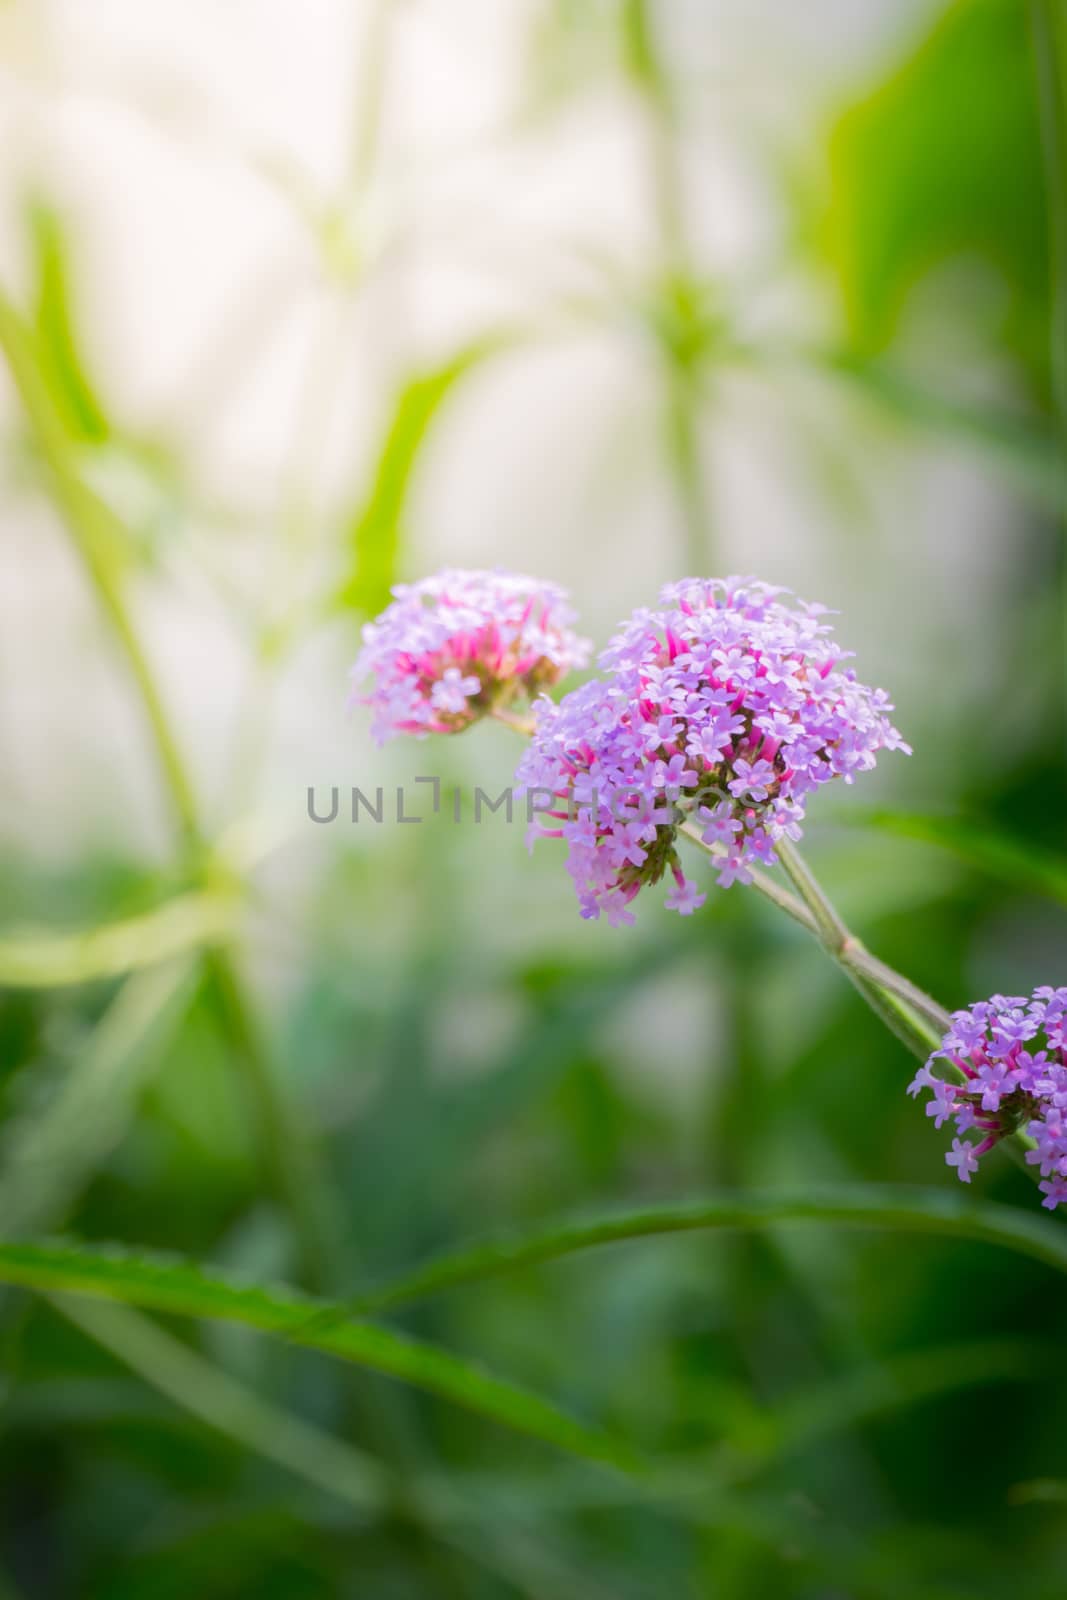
(301, 299)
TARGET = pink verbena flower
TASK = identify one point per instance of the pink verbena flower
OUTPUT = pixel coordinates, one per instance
(453, 647)
(1011, 1054)
(729, 706)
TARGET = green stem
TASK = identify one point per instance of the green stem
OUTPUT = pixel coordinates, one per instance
(223, 1403)
(683, 439)
(681, 374)
(914, 1210)
(912, 1016)
(284, 1144)
(100, 539)
(916, 1019)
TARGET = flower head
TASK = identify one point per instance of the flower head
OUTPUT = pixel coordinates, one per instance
(453, 647)
(729, 705)
(1010, 1055)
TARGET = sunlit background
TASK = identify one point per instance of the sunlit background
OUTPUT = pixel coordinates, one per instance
(301, 300)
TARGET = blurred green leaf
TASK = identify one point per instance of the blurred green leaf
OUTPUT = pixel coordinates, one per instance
(49, 1151)
(1039, 1491)
(943, 160)
(1026, 452)
(105, 542)
(373, 538)
(62, 366)
(979, 844)
(437, 1129)
(185, 1289)
(905, 1380)
(572, 45)
(640, 55)
(37, 960)
(226, 1404)
(910, 1211)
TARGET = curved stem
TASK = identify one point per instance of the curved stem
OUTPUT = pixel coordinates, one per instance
(100, 538)
(918, 1210)
(916, 1019)
(913, 1016)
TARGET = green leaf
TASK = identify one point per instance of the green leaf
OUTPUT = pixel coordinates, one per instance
(373, 537)
(102, 540)
(53, 1148)
(184, 1289)
(907, 1210)
(980, 845)
(435, 1130)
(61, 363)
(39, 960)
(640, 56)
(1039, 1491)
(941, 161)
(105, 542)
(1024, 451)
(227, 1405)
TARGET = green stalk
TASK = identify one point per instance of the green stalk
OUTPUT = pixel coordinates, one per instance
(681, 365)
(684, 443)
(229, 1407)
(916, 1019)
(913, 1017)
(101, 539)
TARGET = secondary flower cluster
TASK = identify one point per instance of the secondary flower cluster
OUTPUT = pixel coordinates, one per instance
(729, 706)
(453, 647)
(1011, 1054)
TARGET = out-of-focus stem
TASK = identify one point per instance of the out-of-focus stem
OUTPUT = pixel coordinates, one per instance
(512, 720)
(910, 1014)
(681, 369)
(98, 538)
(282, 1143)
(683, 439)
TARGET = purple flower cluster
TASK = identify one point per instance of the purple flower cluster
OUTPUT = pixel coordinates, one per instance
(1011, 1055)
(459, 645)
(728, 706)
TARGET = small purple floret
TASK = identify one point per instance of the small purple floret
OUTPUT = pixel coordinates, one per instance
(1011, 1054)
(731, 703)
(454, 647)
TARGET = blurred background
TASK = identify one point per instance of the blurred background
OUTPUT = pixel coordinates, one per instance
(300, 300)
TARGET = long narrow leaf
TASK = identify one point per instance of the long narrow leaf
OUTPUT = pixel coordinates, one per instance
(909, 1211)
(373, 537)
(38, 960)
(980, 845)
(60, 356)
(227, 1405)
(103, 542)
(184, 1289)
(1026, 453)
(52, 1149)
(104, 539)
